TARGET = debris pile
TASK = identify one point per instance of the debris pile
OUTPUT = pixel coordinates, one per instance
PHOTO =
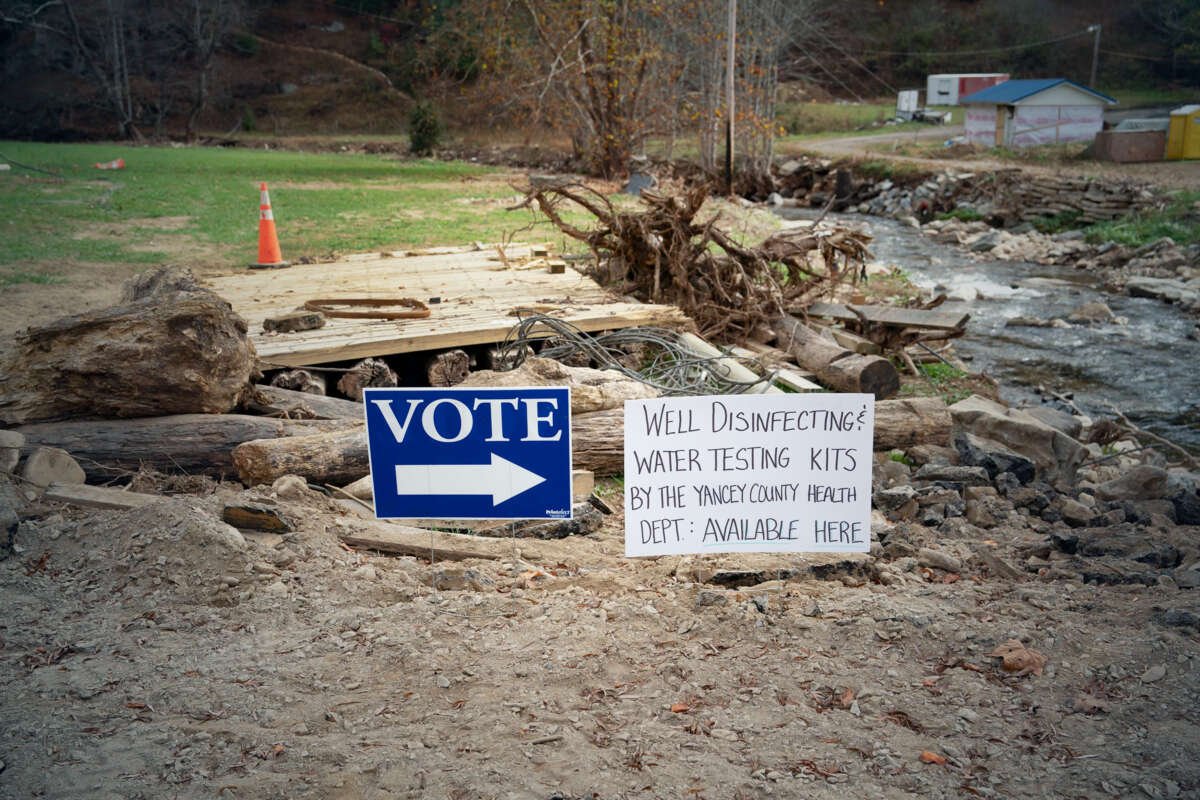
(667, 254)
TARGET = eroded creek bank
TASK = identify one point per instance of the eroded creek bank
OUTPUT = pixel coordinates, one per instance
(1143, 362)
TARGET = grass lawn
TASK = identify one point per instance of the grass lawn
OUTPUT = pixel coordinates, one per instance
(1141, 98)
(199, 206)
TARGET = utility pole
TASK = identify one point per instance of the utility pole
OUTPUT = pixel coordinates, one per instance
(729, 67)
(1095, 53)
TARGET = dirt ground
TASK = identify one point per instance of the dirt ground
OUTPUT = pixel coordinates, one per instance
(1163, 174)
(160, 653)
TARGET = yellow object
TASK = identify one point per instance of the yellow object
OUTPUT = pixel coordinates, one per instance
(1183, 137)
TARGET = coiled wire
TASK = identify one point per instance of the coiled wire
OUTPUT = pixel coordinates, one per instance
(671, 367)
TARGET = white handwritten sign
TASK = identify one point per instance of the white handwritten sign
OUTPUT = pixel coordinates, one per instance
(748, 473)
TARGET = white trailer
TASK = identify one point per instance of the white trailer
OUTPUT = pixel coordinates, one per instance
(949, 88)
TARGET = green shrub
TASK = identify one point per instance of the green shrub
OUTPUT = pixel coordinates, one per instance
(249, 123)
(246, 44)
(424, 128)
(965, 213)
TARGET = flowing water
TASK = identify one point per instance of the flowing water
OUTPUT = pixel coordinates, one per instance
(1148, 368)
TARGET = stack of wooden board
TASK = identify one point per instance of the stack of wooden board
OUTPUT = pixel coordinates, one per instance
(471, 294)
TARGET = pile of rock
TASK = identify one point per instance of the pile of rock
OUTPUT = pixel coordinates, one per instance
(1024, 479)
(1024, 197)
(1021, 244)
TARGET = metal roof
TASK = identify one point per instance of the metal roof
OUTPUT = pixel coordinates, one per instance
(1015, 91)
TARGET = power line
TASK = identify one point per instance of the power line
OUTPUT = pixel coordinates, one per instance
(865, 68)
(978, 52)
(1144, 58)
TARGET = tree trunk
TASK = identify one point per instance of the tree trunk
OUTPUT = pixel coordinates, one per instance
(909, 422)
(191, 443)
(598, 441)
(176, 353)
(340, 456)
(834, 365)
(337, 457)
(274, 401)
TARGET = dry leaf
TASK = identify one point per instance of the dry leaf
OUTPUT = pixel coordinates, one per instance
(679, 708)
(930, 757)
(1018, 658)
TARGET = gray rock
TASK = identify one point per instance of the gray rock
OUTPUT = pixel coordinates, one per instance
(455, 579)
(967, 476)
(290, 487)
(1188, 577)
(987, 241)
(11, 443)
(1154, 673)
(1125, 541)
(1092, 314)
(890, 499)
(1171, 291)
(977, 451)
(10, 503)
(1069, 424)
(937, 559)
(1074, 513)
(1187, 507)
(1143, 482)
(47, 465)
(1179, 618)
(1055, 455)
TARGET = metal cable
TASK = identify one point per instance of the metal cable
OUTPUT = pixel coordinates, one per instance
(670, 367)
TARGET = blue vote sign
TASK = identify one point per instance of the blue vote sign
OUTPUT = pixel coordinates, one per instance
(470, 453)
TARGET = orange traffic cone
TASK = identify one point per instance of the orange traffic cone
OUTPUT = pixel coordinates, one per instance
(117, 164)
(269, 256)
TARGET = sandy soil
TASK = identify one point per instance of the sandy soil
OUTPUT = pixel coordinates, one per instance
(159, 653)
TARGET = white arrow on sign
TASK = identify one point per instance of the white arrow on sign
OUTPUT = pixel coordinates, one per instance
(502, 479)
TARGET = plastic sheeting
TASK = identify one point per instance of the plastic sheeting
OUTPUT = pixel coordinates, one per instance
(981, 125)
(1033, 125)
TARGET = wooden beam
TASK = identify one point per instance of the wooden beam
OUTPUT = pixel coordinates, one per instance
(335, 345)
(78, 494)
(889, 315)
(728, 368)
(792, 379)
(421, 543)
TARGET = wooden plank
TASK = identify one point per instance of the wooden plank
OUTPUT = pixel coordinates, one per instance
(792, 379)
(422, 543)
(889, 315)
(852, 341)
(489, 331)
(78, 494)
(733, 369)
(475, 301)
(774, 357)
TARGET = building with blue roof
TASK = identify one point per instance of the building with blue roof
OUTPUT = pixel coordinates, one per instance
(1021, 113)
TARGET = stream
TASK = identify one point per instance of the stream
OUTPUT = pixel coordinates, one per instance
(1148, 368)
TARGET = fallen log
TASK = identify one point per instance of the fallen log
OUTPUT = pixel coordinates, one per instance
(340, 456)
(174, 353)
(337, 457)
(191, 443)
(598, 441)
(274, 401)
(911, 421)
(834, 365)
